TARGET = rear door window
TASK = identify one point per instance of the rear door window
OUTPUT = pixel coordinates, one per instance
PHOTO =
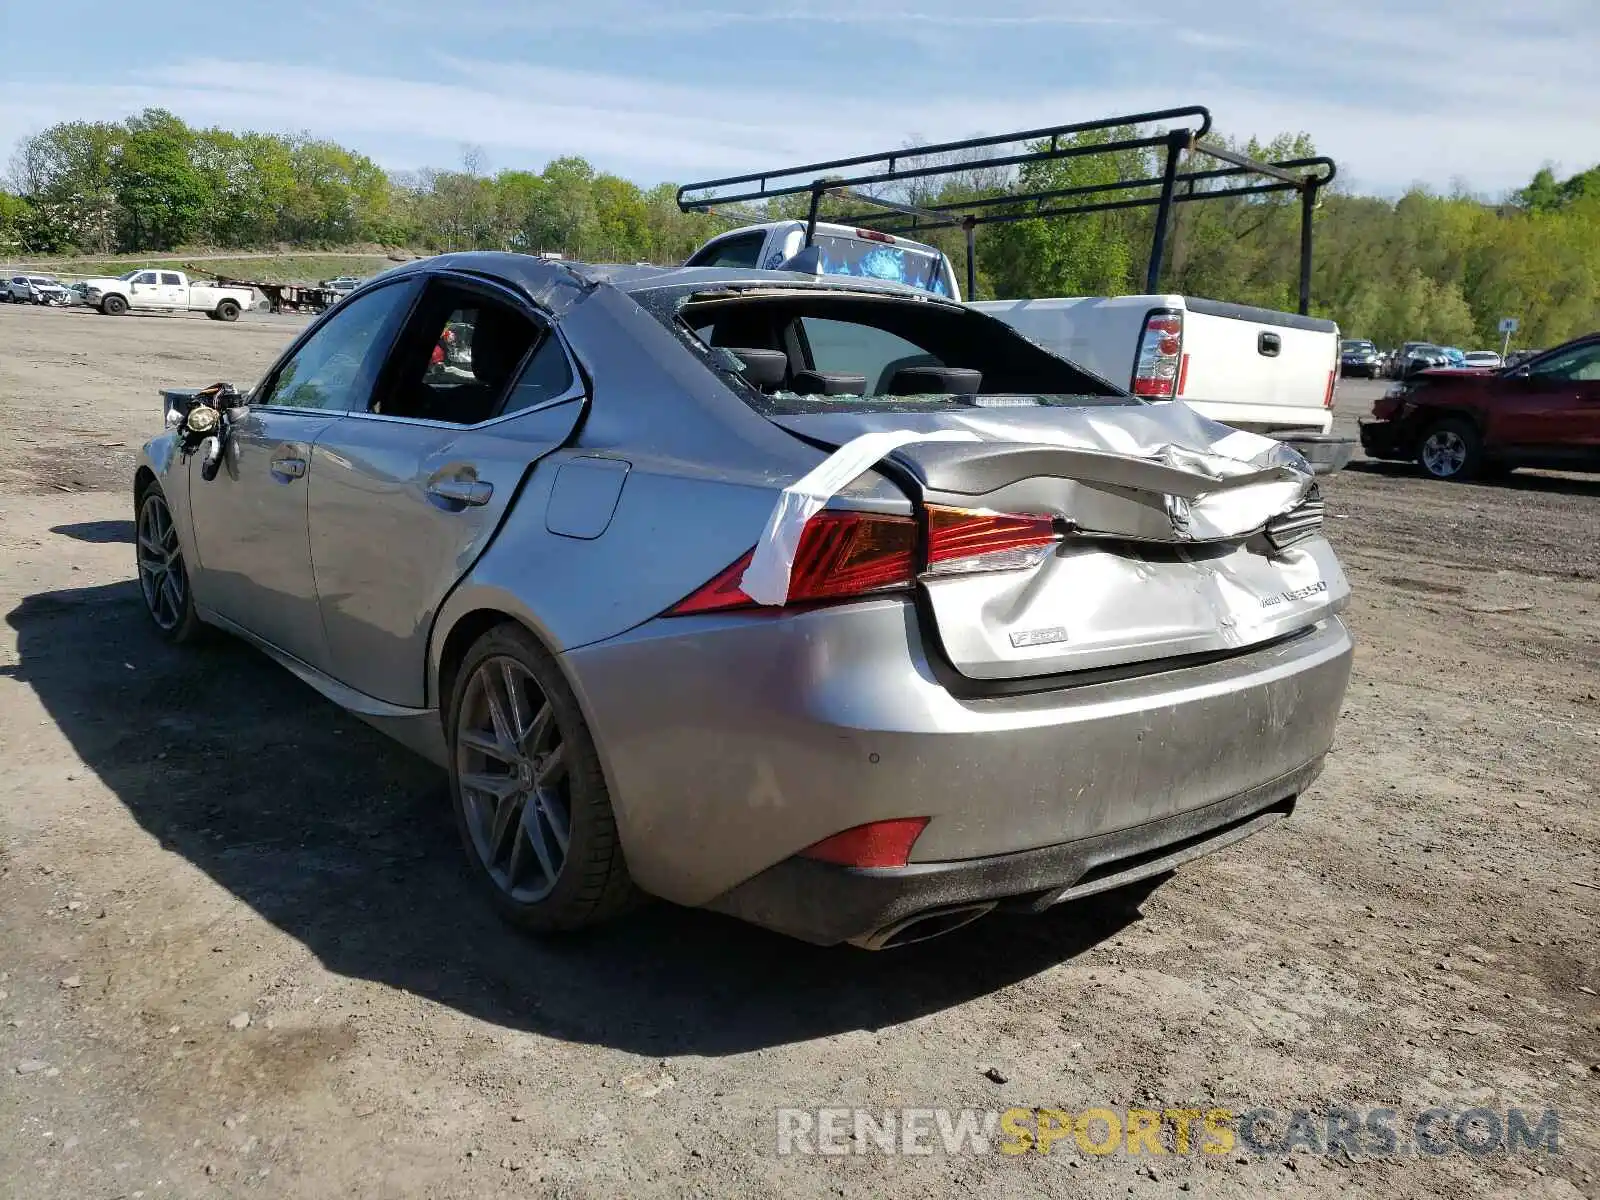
(459, 355)
(168, 279)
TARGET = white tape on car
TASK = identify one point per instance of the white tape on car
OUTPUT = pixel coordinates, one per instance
(766, 579)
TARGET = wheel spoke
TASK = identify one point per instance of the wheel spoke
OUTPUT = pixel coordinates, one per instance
(151, 545)
(555, 815)
(487, 744)
(514, 704)
(537, 729)
(506, 819)
(515, 864)
(553, 768)
(497, 712)
(496, 787)
(534, 829)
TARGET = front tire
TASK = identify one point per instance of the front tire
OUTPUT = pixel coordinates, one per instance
(1451, 449)
(530, 799)
(113, 306)
(227, 310)
(163, 577)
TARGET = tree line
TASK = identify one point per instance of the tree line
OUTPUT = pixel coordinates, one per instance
(1444, 268)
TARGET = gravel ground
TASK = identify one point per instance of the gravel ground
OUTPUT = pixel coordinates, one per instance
(238, 954)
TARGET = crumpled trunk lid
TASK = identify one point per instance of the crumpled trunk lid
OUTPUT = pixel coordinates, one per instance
(1169, 524)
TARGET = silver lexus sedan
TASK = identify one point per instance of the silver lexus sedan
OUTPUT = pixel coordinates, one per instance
(832, 605)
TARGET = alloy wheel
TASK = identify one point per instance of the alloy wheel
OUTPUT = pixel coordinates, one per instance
(162, 577)
(1444, 453)
(512, 769)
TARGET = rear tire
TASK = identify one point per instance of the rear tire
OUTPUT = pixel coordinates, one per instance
(530, 799)
(228, 310)
(1451, 449)
(113, 306)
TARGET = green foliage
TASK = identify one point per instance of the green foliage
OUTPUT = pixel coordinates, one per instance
(1446, 268)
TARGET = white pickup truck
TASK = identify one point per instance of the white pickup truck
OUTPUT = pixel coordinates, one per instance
(1252, 368)
(863, 253)
(165, 290)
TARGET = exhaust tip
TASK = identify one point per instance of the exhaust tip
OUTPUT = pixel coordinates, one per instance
(922, 926)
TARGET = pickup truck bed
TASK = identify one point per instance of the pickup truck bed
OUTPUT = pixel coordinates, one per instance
(1252, 368)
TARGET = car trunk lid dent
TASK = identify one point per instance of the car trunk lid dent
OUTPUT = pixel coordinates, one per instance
(1179, 535)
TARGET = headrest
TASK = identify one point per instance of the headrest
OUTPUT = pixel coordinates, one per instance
(829, 383)
(927, 381)
(760, 368)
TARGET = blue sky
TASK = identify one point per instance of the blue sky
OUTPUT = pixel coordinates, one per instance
(1398, 91)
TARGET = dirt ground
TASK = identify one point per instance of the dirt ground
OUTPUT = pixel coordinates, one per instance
(239, 956)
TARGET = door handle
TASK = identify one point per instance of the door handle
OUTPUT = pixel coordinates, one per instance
(289, 468)
(461, 491)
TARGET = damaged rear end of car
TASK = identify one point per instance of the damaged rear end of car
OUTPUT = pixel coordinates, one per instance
(1016, 639)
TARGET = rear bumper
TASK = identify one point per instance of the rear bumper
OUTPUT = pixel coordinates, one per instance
(1326, 452)
(878, 908)
(731, 742)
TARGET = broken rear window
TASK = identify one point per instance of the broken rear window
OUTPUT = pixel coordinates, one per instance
(809, 351)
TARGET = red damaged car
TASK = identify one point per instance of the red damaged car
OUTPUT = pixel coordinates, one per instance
(1460, 424)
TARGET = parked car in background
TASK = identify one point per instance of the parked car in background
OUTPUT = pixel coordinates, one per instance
(37, 289)
(1065, 641)
(1357, 356)
(1484, 359)
(1454, 356)
(1461, 424)
(1420, 356)
(171, 291)
(343, 286)
(1517, 357)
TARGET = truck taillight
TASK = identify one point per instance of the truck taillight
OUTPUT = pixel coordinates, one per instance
(874, 235)
(1155, 368)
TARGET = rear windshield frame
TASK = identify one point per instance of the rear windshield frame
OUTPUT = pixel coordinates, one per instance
(675, 307)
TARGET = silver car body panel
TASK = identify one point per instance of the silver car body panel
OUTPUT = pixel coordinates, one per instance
(253, 559)
(768, 733)
(399, 510)
(731, 741)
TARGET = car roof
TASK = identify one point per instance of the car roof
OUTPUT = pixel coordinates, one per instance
(556, 284)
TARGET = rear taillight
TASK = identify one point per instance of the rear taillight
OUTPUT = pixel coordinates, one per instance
(961, 542)
(844, 555)
(1333, 382)
(880, 844)
(1155, 369)
(841, 555)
